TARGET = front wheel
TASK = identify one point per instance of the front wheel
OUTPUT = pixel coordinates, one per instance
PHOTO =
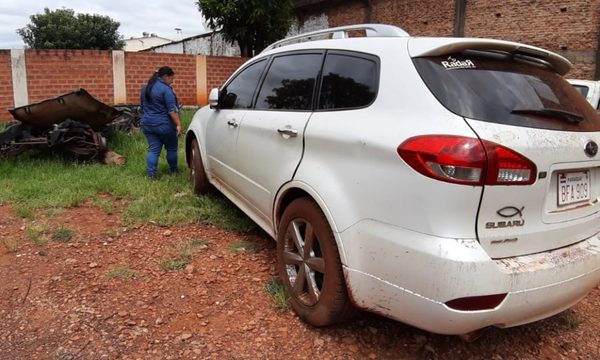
(309, 265)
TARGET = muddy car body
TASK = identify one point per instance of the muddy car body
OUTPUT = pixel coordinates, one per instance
(424, 179)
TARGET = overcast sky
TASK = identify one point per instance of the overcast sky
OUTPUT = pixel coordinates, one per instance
(135, 16)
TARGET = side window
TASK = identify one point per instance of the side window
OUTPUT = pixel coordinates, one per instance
(290, 82)
(348, 81)
(239, 92)
(583, 90)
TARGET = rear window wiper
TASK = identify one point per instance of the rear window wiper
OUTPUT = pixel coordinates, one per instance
(570, 117)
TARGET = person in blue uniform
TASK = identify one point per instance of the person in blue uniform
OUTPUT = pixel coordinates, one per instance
(160, 120)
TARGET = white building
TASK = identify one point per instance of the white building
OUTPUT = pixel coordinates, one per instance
(145, 42)
(213, 43)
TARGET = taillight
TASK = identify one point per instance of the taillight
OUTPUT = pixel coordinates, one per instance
(465, 160)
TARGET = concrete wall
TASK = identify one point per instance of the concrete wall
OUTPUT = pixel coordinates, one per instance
(113, 77)
(212, 44)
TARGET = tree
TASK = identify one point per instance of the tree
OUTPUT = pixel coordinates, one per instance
(254, 24)
(62, 29)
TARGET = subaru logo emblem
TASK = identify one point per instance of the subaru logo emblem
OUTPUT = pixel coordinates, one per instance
(591, 148)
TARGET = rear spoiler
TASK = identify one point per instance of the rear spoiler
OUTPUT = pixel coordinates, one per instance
(418, 47)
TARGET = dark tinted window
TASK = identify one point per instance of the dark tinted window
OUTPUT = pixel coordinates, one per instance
(583, 90)
(499, 89)
(290, 82)
(239, 92)
(348, 81)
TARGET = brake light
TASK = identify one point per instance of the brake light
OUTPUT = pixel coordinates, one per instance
(465, 160)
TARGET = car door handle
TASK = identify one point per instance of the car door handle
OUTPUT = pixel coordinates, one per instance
(287, 131)
(233, 123)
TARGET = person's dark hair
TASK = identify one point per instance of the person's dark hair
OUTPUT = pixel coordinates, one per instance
(165, 70)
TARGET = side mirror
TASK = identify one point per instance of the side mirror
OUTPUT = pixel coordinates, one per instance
(213, 98)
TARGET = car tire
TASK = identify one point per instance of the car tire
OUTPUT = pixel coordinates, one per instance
(310, 267)
(200, 182)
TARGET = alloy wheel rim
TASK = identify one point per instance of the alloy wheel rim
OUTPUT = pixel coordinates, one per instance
(303, 261)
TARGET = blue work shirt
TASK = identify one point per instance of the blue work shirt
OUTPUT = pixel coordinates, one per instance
(163, 101)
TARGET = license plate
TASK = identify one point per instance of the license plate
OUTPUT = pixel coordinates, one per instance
(573, 187)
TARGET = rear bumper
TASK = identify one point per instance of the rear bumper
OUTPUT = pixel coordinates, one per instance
(410, 276)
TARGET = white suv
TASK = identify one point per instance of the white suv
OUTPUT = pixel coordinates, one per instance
(449, 183)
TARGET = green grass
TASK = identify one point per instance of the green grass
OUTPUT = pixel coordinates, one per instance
(36, 180)
(104, 204)
(24, 212)
(54, 212)
(277, 292)
(123, 273)
(63, 233)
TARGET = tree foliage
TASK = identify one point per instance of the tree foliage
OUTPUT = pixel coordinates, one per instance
(254, 24)
(63, 29)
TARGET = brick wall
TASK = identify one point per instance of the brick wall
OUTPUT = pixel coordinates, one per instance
(569, 28)
(6, 91)
(140, 66)
(54, 72)
(51, 73)
(425, 17)
(220, 68)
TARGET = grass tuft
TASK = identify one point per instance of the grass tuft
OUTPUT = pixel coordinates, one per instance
(277, 292)
(123, 273)
(184, 253)
(570, 319)
(24, 212)
(199, 243)
(54, 212)
(37, 234)
(11, 245)
(242, 245)
(172, 264)
(63, 233)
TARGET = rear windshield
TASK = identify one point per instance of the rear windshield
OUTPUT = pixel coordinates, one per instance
(497, 88)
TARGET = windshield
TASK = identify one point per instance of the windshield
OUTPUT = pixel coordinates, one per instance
(496, 88)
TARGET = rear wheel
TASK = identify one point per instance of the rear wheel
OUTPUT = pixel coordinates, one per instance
(309, 265)
(200, 182)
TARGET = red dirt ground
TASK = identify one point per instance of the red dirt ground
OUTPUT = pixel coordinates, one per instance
(58, 301)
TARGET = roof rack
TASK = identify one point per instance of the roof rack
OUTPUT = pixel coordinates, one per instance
(341, 32)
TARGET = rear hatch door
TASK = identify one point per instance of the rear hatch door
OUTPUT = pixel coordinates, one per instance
(522, 103)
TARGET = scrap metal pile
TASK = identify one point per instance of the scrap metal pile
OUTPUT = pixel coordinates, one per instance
(75, 122)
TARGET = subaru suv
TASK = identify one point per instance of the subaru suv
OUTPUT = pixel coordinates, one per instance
(449, 183)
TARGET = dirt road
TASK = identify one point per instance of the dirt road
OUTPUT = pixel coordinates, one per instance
(104, 294)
